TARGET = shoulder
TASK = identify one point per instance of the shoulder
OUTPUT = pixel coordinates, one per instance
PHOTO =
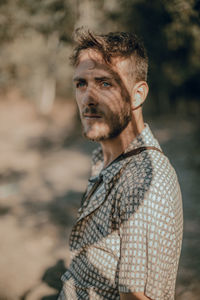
(149, 169)
(149, 178)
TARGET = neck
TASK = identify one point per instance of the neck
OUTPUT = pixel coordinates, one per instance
(112, 148)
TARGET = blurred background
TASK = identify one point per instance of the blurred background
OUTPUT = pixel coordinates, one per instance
(44, 161)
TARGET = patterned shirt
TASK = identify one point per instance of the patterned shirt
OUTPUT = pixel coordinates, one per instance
(128, 234)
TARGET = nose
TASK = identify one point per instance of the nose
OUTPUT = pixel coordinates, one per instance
(89, 97)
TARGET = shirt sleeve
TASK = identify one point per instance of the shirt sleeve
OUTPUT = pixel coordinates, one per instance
(147, 257)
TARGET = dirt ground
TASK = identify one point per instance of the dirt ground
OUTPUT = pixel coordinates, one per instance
(44, 166)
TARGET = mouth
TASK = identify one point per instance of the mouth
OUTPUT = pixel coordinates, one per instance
(91, 116)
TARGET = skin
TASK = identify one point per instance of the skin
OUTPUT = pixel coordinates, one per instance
(109, 103)
(102, 93)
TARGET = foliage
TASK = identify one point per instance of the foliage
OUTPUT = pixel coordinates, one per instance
(170, 30)
(33, 35)
(35, 39)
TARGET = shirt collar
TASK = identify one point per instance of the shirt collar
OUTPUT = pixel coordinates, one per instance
(145, 138)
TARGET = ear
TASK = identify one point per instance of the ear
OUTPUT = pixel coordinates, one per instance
(139, 94)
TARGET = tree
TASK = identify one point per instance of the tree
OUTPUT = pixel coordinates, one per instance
(171, 31)
(38, 30)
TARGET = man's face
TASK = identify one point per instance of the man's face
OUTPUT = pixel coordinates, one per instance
(102, 97)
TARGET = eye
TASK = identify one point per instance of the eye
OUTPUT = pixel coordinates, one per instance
(80, 84)
(106, 84)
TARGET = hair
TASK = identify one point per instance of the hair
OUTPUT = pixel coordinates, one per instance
(111, 45)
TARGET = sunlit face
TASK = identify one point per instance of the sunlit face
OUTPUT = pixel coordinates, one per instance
(102, 98)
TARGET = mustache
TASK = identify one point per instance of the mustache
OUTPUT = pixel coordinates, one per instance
(91, 110)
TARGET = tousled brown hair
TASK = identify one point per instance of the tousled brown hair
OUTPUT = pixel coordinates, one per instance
(113, 44)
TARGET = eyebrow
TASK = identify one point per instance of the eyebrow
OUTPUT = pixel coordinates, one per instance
(102, 78)
(78, 79)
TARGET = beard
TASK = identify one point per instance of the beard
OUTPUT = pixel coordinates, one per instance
(108, 126)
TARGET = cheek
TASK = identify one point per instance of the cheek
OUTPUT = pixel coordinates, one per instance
(78, 103)
(116, 104)
(78, 98)
(111, 99)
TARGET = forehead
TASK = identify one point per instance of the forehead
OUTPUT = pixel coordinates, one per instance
(91, 62)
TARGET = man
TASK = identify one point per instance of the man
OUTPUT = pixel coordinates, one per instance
(127, 238)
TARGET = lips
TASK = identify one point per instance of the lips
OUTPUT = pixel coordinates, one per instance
(91, 116)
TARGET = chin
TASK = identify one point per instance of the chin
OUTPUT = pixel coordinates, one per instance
(102, 133)
(100, 137)
(94, 137)
(96, 133)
